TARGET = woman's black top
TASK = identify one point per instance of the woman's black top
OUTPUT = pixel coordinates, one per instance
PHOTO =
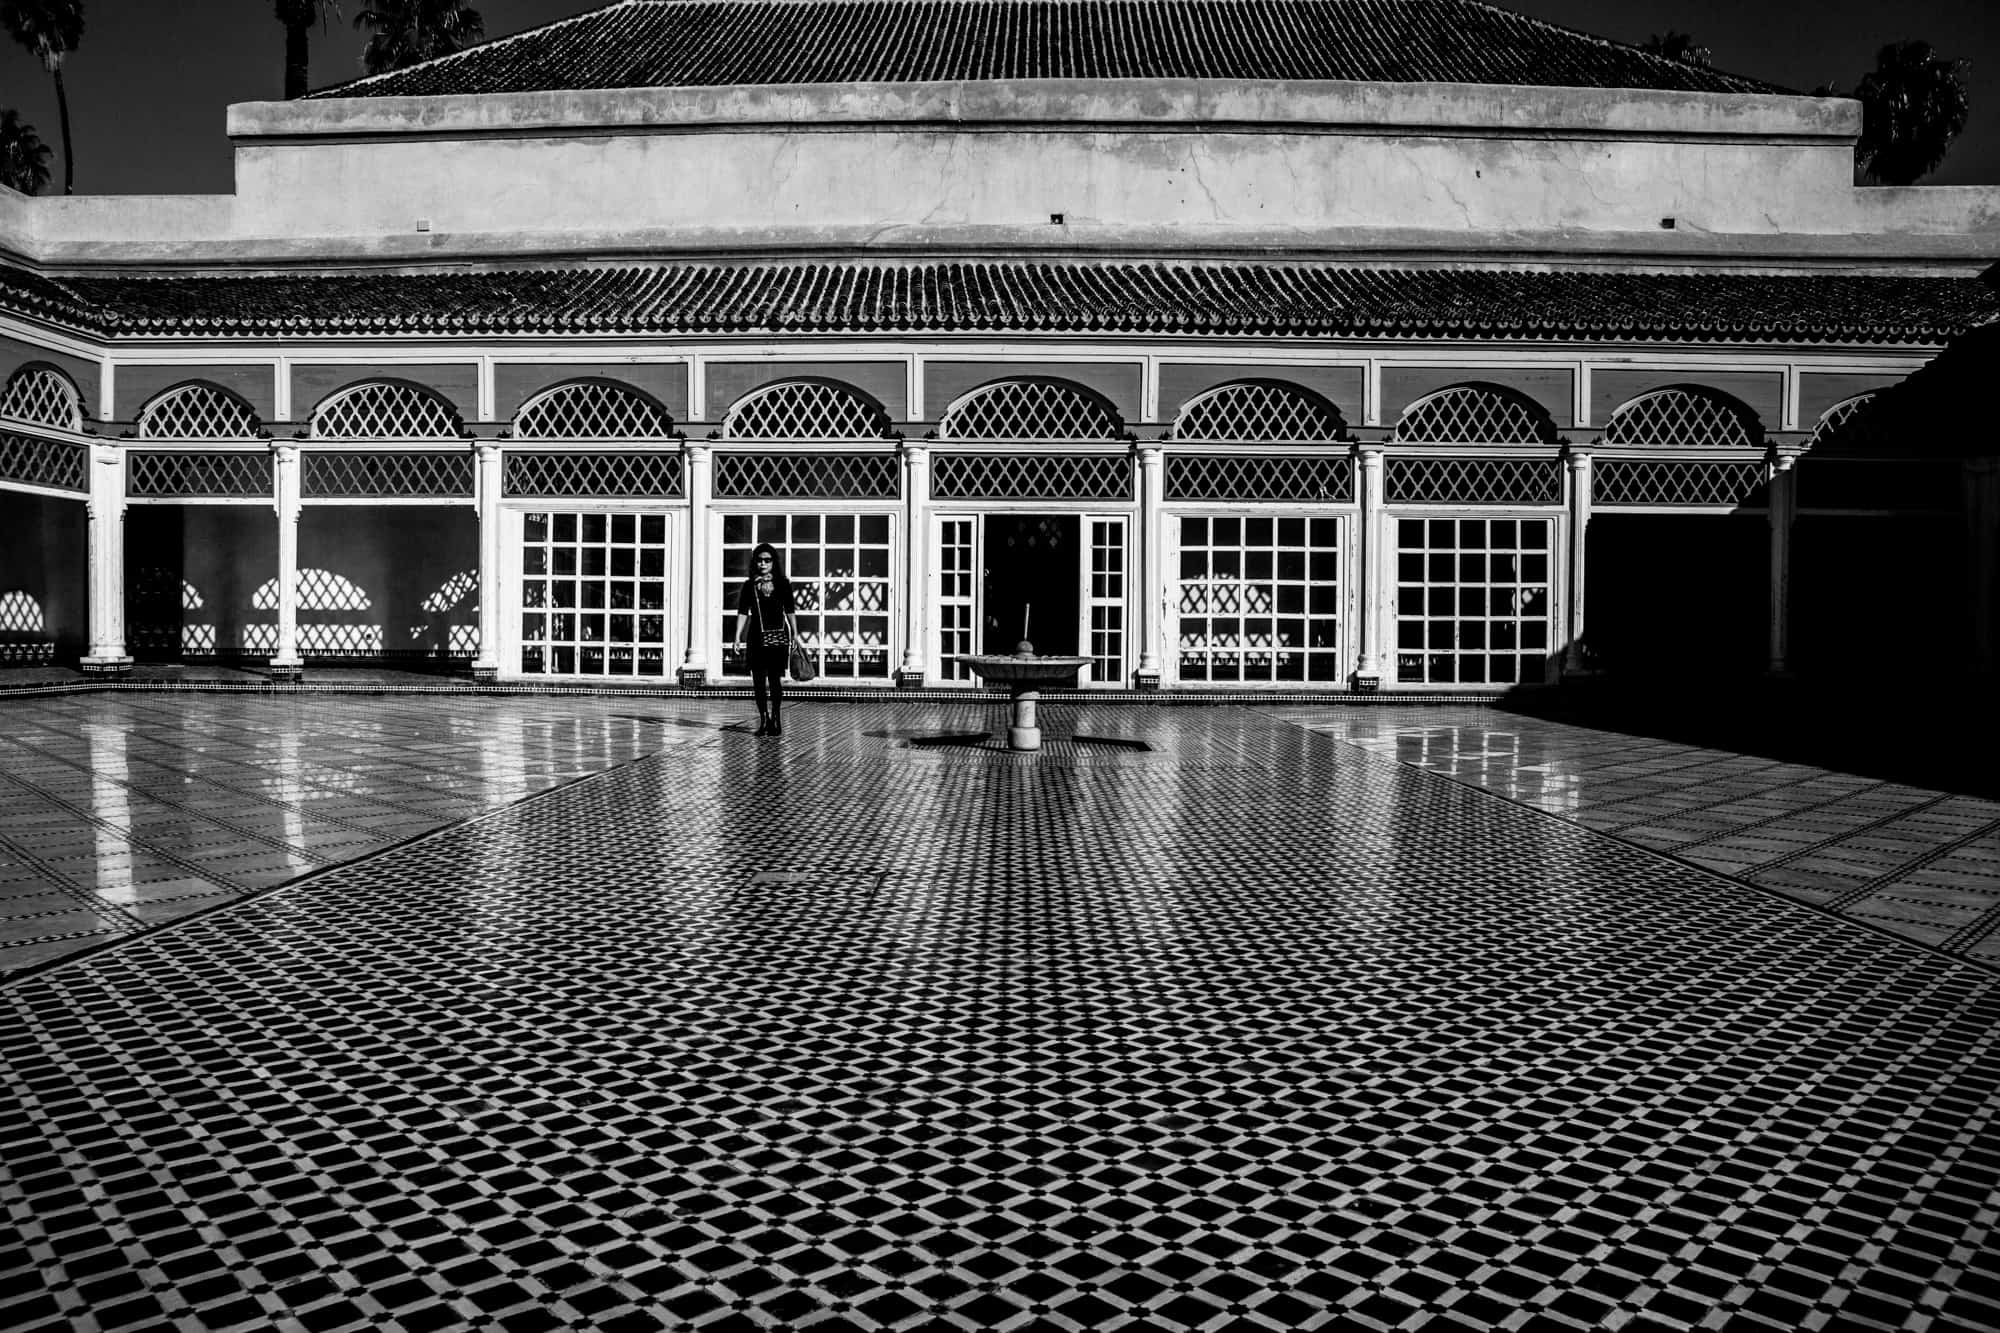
(773, 608)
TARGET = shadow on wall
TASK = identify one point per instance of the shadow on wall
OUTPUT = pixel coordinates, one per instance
(44, 580)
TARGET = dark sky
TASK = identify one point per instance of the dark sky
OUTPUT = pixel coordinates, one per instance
(149, 84)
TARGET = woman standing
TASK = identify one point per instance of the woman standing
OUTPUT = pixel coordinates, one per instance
(764, 625)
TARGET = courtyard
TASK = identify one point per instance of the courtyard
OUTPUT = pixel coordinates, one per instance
(427, 1009)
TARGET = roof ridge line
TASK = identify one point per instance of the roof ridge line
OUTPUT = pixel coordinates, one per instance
(538, 29)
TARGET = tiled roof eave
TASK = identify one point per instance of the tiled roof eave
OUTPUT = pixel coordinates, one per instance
(1012, 297)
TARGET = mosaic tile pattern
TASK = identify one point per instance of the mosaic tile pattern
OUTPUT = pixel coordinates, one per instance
(1920, 863)
(820, 1033)
(120, 812)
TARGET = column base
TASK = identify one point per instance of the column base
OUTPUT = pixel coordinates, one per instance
(1146, 679)
(287, 671)
(909, 678)
(485, 675)
(692, 677)
(1366, 682)
(105, 665)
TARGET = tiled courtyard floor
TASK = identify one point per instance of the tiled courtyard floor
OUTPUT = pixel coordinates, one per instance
(1302, 1017)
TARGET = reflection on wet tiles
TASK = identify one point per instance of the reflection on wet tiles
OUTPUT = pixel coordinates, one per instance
(1826, 838)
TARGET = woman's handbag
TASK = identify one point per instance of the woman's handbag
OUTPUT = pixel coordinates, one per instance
(770, 638)
(802, 664)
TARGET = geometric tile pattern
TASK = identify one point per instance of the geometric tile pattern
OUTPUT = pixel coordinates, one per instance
(808, 476)
(805, 410)
(388, 410)
(1919, 863)
(57, 464)
(1689, 418)
(42, 396)
(566, 474)
(592, 410)
(957, 476)
(1534, 481)
(198, 412)
(1030, 409)
(1270, 1034)
(1642, 481)
(1476, 414)
(1258, 410)
(1259, 477)
(357, 475)
(198, 475)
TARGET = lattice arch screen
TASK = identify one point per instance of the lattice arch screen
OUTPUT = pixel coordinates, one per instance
(1031, 409)
(592, 410)
(386, 410)
(1684, 418)
(1854, 425)
(1260, 411)
(42, 396)
(198, 412)
(1476, 414)
(805, 410)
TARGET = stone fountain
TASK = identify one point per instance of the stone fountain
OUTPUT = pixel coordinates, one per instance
(1025, 675)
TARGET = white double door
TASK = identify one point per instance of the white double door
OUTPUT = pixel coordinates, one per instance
(1058, 579)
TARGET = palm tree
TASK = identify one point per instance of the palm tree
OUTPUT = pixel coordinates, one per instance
(1678, 46)
(50, 30)
(298, 16)
(404, 32)
(24, 158)
(1913, 105)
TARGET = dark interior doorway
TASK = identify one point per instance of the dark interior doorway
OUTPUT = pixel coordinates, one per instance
(1031, 567)
(1678, 595)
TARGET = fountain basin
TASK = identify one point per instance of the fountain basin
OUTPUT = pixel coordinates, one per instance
(1025, 675)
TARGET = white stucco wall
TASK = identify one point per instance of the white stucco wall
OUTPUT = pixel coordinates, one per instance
(1136, 165)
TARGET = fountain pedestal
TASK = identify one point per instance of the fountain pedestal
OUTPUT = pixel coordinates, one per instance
(1025, 675)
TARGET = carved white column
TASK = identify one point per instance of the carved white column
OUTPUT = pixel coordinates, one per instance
(916, 563)
(1368, 663)
(486, 492)
(106, 608)
(1982, 544)
(694, 666)
(1579, 527)
(1783, 508)
(285, 662)
(1152, 577)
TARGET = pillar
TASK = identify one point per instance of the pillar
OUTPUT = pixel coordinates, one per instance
(1152, 576)
(694, 666)
(285, 662)
(1574, 663)
(916, 563)
(1982, 544)
(1368, 665)
(486, 492)
(1783, 507)
(106, 557)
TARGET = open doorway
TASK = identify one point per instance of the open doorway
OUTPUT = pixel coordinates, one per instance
(1031, 578)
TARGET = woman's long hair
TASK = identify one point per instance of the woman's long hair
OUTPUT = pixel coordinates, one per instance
(781, 586)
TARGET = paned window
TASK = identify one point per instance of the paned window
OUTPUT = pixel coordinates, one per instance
(593, 594)
(1257, 411)
(42, 396)
(592, 410)
(805, 410)
(386, 410)
(1106, 599)
(1472, 601)
(1259, 599)
(957, 570)
(1682, 418)
(1030, 410)
(198, 412)
(1476, 414)
(840, 573)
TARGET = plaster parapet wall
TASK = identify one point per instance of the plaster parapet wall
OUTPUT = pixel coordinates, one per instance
(1102, 103)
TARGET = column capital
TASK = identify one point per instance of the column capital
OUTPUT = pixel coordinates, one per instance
(105, 453)
(486, 450)
(914, 451)
(285, 451)
(1577, 459)
(697, 451)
